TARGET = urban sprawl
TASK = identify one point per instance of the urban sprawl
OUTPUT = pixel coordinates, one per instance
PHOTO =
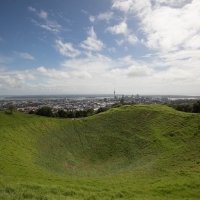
(69, 104)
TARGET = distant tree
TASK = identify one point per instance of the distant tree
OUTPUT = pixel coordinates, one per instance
(188, 108)
(11, 108)
(62, 113)
(78, 113)
(31, 112)
(196, 107)
(71, 114)
(89, 112)
(45, 111)
(102, 109)
(116, 105)
(182, 107)
(55, 114)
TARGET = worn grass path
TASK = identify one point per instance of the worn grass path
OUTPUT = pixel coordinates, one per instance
(131, 152)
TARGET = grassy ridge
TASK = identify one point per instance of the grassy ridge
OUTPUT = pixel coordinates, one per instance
(132, 152)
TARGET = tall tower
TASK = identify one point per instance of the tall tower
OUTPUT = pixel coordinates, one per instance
(114, 93)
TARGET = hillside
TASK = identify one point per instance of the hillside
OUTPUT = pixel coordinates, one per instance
(131, 152)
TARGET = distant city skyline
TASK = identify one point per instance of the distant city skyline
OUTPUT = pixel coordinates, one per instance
(147, 47)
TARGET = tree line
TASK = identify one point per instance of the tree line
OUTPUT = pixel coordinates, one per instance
(187, 107)
(47, 111)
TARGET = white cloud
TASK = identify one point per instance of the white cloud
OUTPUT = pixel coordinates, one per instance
(132, 39)
(122, 5)
(107, 16)
(81, 74)
(100, 73)
(121, 28)
(132, 71)
(25, 55)
(193, 42)
(167, 26)
(62, 74)
(30, 8)
(15, 79)
(67, 49)
(41, 70)
(138, 71)
(92, 18)
(180, 55)
(43, 14)
(49, 25)
(94, 64)
(8, 82)
(127, 61)
(24, 76)
(92, 43)
(174, 3)
(53, 73)
(85, 12)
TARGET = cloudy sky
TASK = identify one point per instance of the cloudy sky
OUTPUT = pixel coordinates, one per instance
(96, 46)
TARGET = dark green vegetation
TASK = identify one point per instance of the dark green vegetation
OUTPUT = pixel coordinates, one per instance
(11, 108)
(130, 152)
(196, 107)
(46, 111)
(186, 105)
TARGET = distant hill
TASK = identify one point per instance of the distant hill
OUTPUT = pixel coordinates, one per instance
(131, 152)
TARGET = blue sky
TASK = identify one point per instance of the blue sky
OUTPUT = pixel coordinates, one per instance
(96, 46)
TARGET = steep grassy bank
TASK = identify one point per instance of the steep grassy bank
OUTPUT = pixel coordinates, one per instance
(132, 152)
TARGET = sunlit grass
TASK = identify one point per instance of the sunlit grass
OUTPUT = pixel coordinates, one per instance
(131, 152)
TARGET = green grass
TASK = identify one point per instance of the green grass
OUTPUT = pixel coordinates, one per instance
(131, 152)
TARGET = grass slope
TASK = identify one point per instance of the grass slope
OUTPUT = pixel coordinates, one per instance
(132, 152)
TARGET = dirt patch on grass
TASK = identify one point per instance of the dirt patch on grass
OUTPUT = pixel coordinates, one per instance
(70, 166)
